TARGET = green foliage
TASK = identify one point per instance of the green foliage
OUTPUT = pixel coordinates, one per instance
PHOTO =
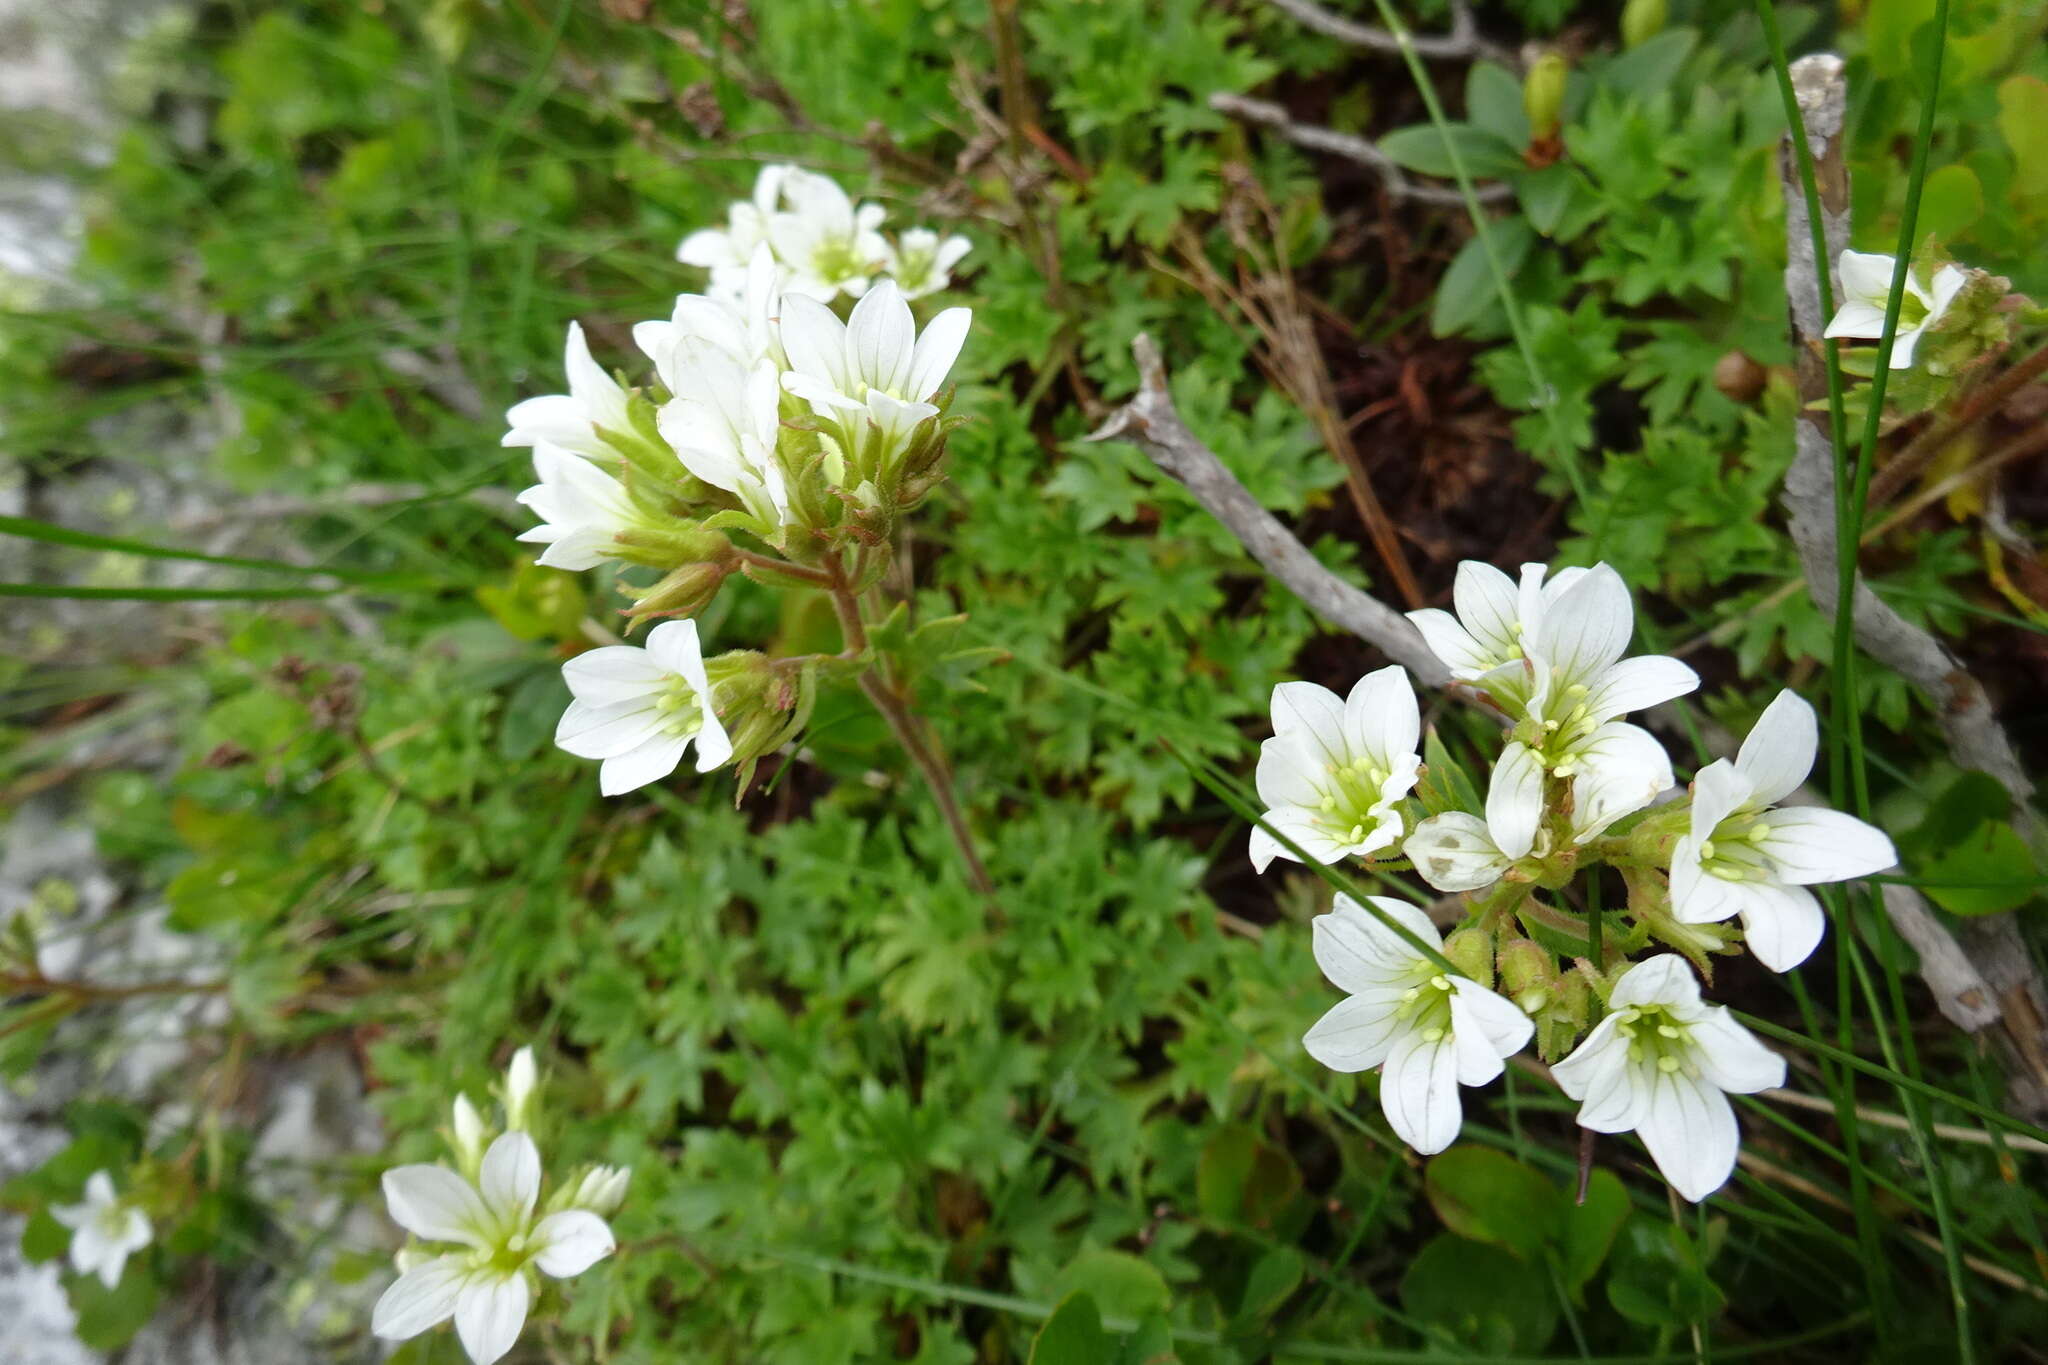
(868, 1118)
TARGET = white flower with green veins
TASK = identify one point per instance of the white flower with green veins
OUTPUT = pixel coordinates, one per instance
(639, 709)
(1335, 771)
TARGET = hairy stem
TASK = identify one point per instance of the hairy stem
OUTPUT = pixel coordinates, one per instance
(911, 734)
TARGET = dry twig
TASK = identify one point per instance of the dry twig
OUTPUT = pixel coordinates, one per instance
(1962, 710)
(1151, 422)
(1361, 150)
(1463, 40)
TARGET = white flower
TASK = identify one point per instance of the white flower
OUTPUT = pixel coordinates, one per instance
(1334, 772)
(726, 251)
(1550, 655)
(638, 709)
(724, 423)
(1429, 1031)
(827, 246)
(105, 1230)
(487, 1285)
(743, 325)
(921, 263)
(583, 510)
(1867, 289)
(1663, 1064)
(570, 420)
(874, 374)
(1458, 851)
(1746, 857)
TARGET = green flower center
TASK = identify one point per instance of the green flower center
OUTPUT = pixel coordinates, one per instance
(1733, 853)
(680, 713)
(836, 260)
(1426, 1007)
(1350, 792)
(1657, 1039)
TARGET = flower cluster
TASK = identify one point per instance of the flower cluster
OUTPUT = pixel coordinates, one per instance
(822, 244)
(488, 1210)
(1575, 787)
(776, 438)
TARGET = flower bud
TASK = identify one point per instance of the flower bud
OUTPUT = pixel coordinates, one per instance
(1528, 974)
(682, 592)
(466, 1137)
(521, 1078)
(600, 1189)
(1543, 96)
(1642, 20)
(1471, 952)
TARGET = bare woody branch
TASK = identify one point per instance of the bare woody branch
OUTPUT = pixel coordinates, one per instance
(1463, 40)
(1151, 422)
(1962, 710)
(1353, 148)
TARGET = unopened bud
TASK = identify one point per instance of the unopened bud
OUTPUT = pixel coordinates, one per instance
(1528, 973)
(1471, 952)
(467, 1136)
(682, 592)
(600, 1189)
(1543, 96)
(1642, 20)
(522, 1077)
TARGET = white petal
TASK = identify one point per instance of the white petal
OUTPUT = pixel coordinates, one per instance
(1809, 844)
(1419, 1092)
(556, 419)
(1781, 924)
(607, 731)
(1857, 319)
(1690, 1131)
(614, 673)
(1718, 791)
(673, 647)
(707, 247)
(879, 336)
(510, 1177)
(421, 1298)
(434, 1203)
(1577, 1071)
(1464, 656)
(1499, 1020)
(1665, 979)
(135, 1231)
(1866, 274)
(1358, 952)
(1587, 627)
(1455, 852)
(1381, 716)
(90, 1250)
(1779, 752)
(1732, 1058)
(1305, 827)
(1637, 684)
(571, 1242)
(1697, 895)
(1316, 713)
(1489, 608)
(488, 1315)
(937, 348)
(99, 1188)
(1514, 802)
(1617, 1093)
(1622, 768)
(815, 341)
(1356, 1032)
(714, 745)
(1289, 771)
(635, 768)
